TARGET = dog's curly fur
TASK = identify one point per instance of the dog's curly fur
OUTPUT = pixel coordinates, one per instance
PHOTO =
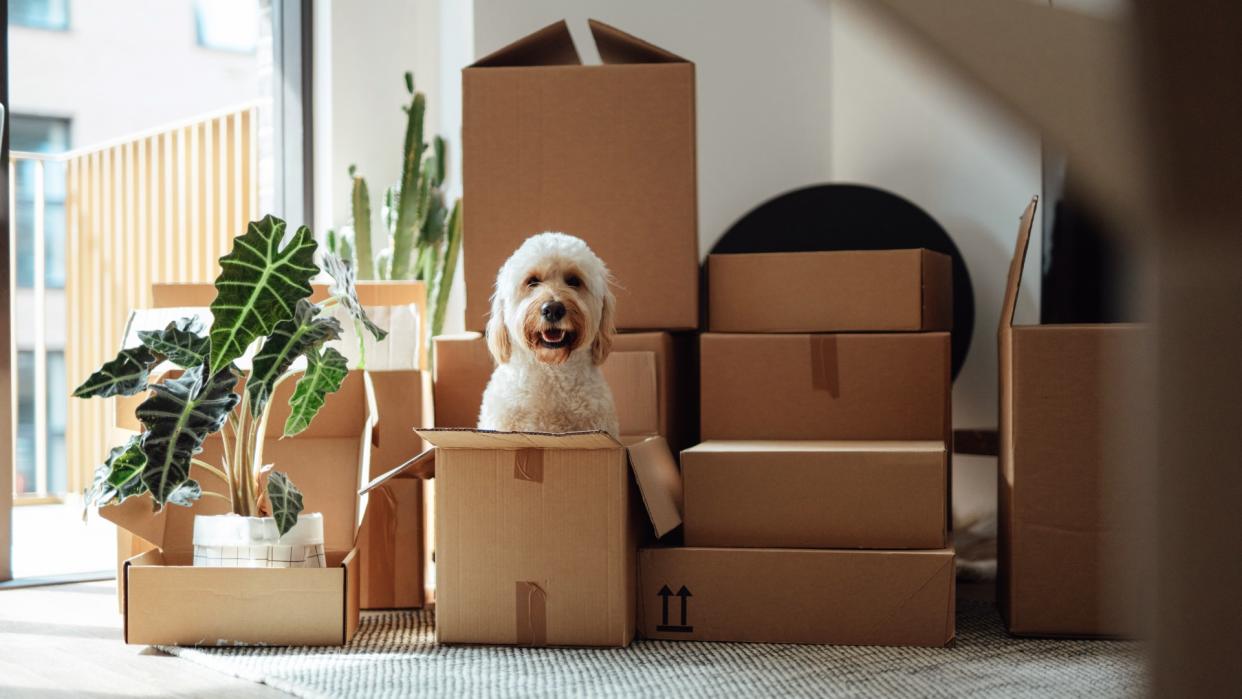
(547, 376)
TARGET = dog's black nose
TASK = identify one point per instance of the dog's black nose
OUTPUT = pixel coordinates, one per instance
(552, 311)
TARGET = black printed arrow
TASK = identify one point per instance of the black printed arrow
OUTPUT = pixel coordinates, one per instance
(664, 594)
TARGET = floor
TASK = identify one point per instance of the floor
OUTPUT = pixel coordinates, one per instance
(65, 641)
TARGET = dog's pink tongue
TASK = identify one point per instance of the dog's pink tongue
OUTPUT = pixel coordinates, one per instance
(553, 335)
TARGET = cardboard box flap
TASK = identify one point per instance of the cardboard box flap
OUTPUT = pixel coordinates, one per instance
(421, 466)
(616, 47)
(550, 46)
(659, 483)
(1016, 265)
(814, 445)
(453, 438)
(326, 486)
(635, 390)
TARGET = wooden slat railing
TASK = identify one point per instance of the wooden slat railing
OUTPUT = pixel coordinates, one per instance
(161, 207)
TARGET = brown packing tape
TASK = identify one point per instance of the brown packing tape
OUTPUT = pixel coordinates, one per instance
(532, 614)
(825, 375)
(528, 465)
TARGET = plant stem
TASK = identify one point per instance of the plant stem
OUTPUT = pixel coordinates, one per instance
(211, 469)
(214, 494)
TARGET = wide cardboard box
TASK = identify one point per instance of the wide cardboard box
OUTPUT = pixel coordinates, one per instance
(870, 386)
(537, 534)
(168, 601)
(390, 549)
(848, 291)
(606, 153)
(808, 494)
(646, 371)
(1077, 455)
(862, 598)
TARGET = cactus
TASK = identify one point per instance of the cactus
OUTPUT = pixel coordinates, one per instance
(423, 238)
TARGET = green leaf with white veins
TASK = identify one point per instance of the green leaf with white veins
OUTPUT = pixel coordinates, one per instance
(324, 374)
(260, 284)
(178, 417)
(179, 342)
(345, 291)
(120, 476)
(285, 500)
(124, 375)
(301, 334)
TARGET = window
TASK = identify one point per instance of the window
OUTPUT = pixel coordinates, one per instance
(40, 14)
(227, 25)
(40, 135)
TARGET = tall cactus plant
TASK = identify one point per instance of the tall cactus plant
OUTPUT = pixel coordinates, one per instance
(423, 234)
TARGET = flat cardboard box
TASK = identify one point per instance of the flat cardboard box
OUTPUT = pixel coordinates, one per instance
(858, 598)
(390, 541)
(1076, 448)
(847, 291)
(871, 386)
(167, 601)
(646, 372)
(605, 153)
(814, 494)
(537, 534)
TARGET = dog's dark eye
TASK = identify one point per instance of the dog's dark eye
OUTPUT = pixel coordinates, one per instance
(573, 281)
(532, 281)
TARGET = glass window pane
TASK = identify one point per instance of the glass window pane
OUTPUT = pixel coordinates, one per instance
(57, 406)
(40, 14)
(227, 25)
(25, 482)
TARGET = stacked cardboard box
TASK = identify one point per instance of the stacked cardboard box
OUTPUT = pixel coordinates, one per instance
(817, 509)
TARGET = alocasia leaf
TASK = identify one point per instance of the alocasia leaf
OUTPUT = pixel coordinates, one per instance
(120, 476)
(186, 494)
(285, 500)
(179, 342)
(260, 284)
(123, 376)
(301, 334)
(178, 417)
(345, 291)
(324, 374)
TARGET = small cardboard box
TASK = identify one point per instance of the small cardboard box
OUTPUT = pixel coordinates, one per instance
(1076, 448)
(606, 153)
(167, 601)
(863, 598)
(645, 372)
(792, 494)
(872, 386)
(537, 534)
(848, 291)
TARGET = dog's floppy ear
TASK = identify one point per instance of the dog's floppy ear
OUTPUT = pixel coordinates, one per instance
(498, 342)
(607, 328)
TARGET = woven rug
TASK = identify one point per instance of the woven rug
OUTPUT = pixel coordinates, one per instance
(395, 655)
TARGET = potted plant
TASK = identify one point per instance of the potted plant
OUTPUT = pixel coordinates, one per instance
(262, 298)
(422, 232)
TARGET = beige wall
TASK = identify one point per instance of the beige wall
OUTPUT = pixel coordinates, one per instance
(124, 66)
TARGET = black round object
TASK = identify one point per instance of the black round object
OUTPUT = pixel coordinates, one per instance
(854, 217)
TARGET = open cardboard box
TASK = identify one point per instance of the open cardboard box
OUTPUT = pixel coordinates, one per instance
(167, 601)
(1076, 448)
(606, 153)
(390, 542)
(537, 534)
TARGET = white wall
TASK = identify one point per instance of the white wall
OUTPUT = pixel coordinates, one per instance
(123, 67)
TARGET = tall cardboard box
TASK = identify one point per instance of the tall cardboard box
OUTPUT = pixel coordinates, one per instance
(838, 291)
(606, 153)
(1076, 448)
(885, 598)
(647, 372)
(168, 601)
(865, 386)
(816, 495)
(537, 534)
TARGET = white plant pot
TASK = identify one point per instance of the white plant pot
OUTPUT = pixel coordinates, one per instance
(233, 541)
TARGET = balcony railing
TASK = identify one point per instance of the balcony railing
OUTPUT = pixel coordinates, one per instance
(158, 207)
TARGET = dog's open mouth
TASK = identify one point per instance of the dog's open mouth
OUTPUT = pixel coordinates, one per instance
(555, 338)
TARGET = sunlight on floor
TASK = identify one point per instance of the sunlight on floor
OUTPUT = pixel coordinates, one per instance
(53, 540)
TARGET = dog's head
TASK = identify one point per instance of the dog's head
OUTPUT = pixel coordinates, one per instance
(552, 300)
